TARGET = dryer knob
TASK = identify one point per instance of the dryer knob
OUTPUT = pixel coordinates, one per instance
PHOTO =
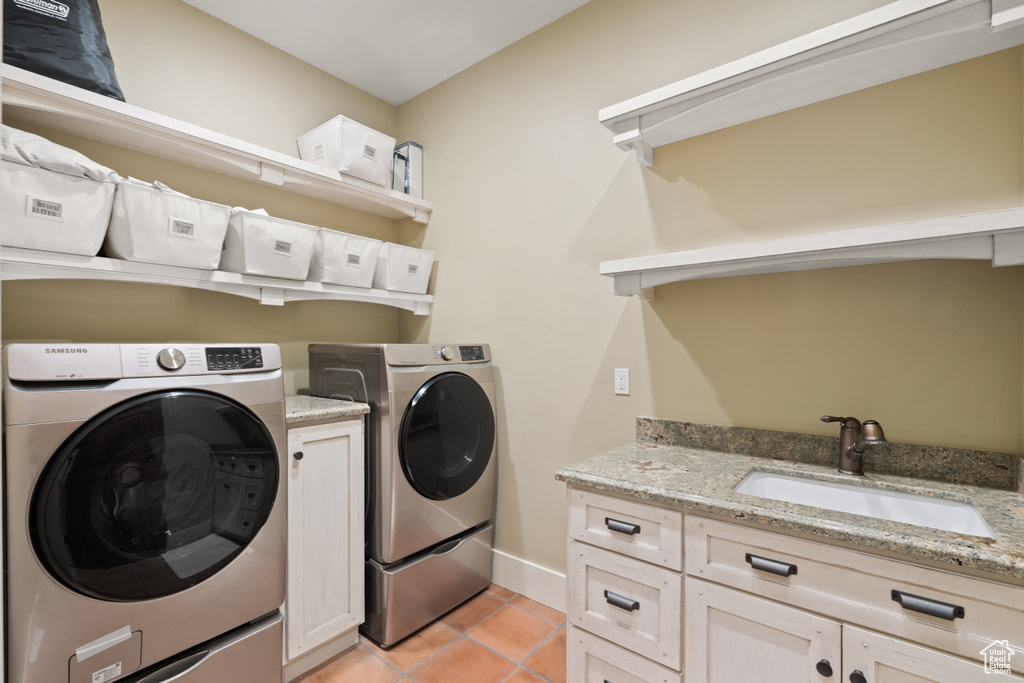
(171, 360)
(447, 353)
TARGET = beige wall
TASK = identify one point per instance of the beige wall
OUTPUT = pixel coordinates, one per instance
(530, 195)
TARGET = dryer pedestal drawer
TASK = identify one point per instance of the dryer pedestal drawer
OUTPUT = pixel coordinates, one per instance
(628, 602)
(406, 597)
(951, 612)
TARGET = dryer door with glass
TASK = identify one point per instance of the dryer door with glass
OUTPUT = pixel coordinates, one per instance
(447, 436)
(154, 495)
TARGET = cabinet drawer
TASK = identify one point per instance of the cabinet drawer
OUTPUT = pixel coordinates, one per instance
(642, 531)
(859, 588)
(632, 603)
(593, 660)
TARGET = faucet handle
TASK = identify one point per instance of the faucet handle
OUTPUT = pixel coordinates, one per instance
(844, 422)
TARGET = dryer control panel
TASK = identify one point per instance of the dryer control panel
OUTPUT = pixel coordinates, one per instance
(435, 354)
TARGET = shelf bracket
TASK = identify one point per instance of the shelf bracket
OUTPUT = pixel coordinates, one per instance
(271, 296)
(630, 138)
(1007, 14)
(271, 174)
(1008, 249)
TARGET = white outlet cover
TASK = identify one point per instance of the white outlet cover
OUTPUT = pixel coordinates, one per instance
(622, 381)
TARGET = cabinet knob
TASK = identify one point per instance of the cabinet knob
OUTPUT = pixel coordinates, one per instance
(297, 455)
(824, 668)
(858, 677)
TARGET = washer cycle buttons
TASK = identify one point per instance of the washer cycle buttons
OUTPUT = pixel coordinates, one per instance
(171, 360)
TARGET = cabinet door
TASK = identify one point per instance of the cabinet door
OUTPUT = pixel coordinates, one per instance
(325, 533)
(733, 636)
(880, 659)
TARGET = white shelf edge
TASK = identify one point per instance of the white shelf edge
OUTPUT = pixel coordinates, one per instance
(65, 108)
(894, 41)
(996, 236)
(28, 264)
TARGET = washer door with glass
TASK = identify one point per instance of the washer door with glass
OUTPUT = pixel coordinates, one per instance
(154, 495)
(447, 436)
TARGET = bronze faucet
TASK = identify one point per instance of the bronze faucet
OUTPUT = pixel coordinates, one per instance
(854, 439)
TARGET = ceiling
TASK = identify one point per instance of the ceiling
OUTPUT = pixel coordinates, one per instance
(394, 49)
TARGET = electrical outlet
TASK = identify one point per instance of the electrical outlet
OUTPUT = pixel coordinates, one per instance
(622, 381)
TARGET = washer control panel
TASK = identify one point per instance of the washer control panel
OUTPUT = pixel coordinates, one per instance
(471, 353)
(234, 358)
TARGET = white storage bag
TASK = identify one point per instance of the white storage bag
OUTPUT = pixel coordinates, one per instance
(344, 145)
(403, 269)
(52, 198)
(155, 224)
(343, 259)
(258, 244)
(50, 211)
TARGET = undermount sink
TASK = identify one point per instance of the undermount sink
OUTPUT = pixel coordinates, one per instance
(895, 506)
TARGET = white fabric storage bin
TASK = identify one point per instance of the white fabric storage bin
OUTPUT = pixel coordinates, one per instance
(159, 226)
(403, 269)
(40, 209)
(257, 244)
(344, 145)
(343, 259)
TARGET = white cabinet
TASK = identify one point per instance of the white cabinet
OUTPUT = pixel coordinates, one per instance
(625, 587)
(324, 597)
(748, 638)
(762, 606)
(745, 638)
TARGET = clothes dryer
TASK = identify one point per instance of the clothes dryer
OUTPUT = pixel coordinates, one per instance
(144, 512)
(431, 473)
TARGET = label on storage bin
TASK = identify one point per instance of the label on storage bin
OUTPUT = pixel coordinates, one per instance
(282, 247)
(413, 269)
(370, 152)
(181, 228)
(45, 208)
(108, 674)
(352, 259)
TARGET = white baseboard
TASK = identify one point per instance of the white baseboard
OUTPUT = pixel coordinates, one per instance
(526, 578)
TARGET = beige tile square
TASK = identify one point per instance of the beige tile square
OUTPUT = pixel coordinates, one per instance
(358, 665)
(513, 632)
(472, 611)
(548, 660)
(521, 675)
(463, 662)
(411, 652)
(499, 592)
(539, 609)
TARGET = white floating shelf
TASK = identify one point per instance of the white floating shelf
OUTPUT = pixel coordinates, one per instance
(65, 108)
(896, 40)
(28, 264)
(996, 236)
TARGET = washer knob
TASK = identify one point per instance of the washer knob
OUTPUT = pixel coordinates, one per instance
(447, 353)
(171, 360)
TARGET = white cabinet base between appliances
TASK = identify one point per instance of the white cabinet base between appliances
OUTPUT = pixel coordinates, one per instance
(324, 600)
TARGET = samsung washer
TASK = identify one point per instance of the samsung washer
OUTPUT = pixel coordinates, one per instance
(431, 473)
(144, 512)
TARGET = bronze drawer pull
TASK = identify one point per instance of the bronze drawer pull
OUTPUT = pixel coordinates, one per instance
(621, 602)
(933, 608)
(622, 527)
(771, 566)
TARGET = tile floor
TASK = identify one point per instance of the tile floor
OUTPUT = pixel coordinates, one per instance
(497, 636)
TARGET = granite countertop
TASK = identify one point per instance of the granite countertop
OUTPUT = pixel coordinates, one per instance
(702, 479)
(299, 409)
